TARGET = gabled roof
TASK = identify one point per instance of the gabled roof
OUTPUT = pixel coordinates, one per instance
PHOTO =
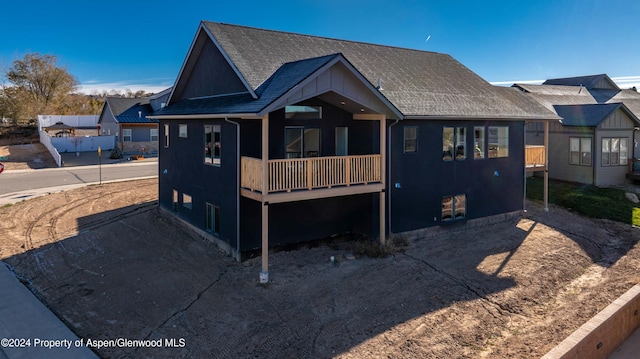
(285, 79)
(417, 83)
(130, 110)
(587, 81)
(585, 115)
(526, 103)
(552, 95)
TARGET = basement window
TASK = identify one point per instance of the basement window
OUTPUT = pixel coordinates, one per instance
(454, 207)
(187, 201)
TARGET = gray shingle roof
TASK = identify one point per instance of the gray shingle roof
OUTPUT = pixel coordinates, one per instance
(586, 81)
(417, 83)
(585, 115)
(285, 78)
(550, 95)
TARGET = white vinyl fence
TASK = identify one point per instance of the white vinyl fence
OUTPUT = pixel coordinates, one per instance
(83, 143)
(78, 121)
(46, 141)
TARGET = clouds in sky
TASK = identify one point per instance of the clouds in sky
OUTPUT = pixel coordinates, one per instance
(148, 85)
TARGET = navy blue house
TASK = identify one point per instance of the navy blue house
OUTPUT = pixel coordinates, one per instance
(273, 138)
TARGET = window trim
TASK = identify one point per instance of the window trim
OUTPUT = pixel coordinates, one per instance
(166, 135)
(405, 139)
(458, 141)
(187, 201)
(453, 212)
(620, 157)
(151, 135)
(212, 218)
(497, 150)
(181, 127)
(210, 158)
(124, 135)
(581, 151)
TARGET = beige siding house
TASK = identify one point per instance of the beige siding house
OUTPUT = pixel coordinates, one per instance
(596, 138)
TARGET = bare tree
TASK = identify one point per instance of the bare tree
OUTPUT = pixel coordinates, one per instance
(39, 84)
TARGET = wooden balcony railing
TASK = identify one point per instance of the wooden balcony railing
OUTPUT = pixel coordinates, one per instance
(534, 156)
(310, 173)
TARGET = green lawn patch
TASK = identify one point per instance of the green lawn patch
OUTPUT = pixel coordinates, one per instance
(588, 200)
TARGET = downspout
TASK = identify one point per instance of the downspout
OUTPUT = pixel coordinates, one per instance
(524, 194)
(389, 150)
(237, 255)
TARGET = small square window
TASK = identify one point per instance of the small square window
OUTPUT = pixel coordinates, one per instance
(153, 134)
(182, 131)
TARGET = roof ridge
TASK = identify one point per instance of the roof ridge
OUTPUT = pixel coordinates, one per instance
(326, 38)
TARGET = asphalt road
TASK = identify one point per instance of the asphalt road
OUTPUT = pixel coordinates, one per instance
(18, 181)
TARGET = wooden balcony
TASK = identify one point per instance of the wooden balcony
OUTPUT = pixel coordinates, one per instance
(297, 178)
(534, 158)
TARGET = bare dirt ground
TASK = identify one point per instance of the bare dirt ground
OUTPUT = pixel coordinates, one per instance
(108, 262)
(26, 156)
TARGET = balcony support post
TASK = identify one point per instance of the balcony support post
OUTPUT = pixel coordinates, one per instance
(546, 166)
(383, 176)
(264, 273)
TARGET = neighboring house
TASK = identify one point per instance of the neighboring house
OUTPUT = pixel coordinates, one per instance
(597, 135)
(126, 119)
(272, 138)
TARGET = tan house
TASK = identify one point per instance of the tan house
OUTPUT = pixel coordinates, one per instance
(596, 138)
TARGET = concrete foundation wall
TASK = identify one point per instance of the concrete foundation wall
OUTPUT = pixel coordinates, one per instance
(600, 336)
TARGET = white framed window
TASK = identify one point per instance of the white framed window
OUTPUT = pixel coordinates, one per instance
(580, 151)
(182, 131)
(615, 151)
(126, 134)
(153, 134)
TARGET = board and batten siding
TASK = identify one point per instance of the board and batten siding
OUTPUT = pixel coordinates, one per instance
(617, 125)
(559, 167)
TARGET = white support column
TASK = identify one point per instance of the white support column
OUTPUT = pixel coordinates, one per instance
(383, 177)
(546, 166)
(264, 273)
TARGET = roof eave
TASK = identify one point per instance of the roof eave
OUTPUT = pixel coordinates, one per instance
(481, 117)
(206, 116)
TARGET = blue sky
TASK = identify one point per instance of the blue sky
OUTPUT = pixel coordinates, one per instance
(119, 44)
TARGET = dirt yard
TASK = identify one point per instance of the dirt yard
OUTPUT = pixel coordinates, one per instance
(108, 262)
(26, 156)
